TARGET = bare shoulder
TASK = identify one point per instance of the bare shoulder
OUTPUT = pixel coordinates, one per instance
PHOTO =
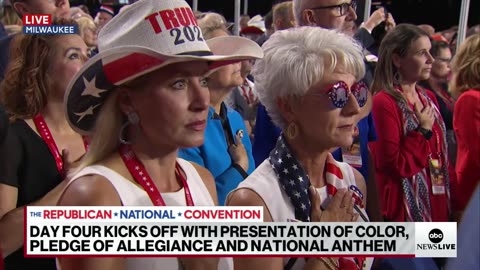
(208, 180)
(248, 197)
(204, 173)
(245, 197)
(90, 190)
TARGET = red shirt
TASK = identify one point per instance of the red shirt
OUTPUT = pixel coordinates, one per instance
(466, 124)
(398, 156)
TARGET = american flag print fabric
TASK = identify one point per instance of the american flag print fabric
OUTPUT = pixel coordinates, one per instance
(295, 182)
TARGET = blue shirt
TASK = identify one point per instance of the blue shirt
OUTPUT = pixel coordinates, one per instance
(214, 156)
(266, 134)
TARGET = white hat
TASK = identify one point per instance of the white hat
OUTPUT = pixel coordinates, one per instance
(255, 25)
(108, 10)
(148, 35)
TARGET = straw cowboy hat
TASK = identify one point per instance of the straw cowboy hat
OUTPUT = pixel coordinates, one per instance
(148, 35)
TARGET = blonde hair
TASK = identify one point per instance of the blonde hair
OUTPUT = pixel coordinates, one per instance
(10, 17)
(466, 66)
(104, 139)
(282, 11)
(83, 24)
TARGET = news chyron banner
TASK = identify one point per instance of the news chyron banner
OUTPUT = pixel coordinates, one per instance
(221, 232)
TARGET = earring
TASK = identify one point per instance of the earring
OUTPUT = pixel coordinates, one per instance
(397, 78)
(292, 130)
(132, 118)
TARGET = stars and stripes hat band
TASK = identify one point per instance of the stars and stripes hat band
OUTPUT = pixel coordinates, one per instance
(107, 9)
(146, 36)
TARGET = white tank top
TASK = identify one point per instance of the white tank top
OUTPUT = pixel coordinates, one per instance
(133, 195)
(264, 182)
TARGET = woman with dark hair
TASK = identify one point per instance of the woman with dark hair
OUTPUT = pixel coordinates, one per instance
(40, 144)
(411, 156)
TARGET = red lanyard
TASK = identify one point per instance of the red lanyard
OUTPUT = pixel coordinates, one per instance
(449, 101)
(47, 137)
(438, 143)
(247, 92)
(141, 176)
(438, 146)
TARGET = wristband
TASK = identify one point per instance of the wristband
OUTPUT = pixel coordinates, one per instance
(427, 134)
(240, 170)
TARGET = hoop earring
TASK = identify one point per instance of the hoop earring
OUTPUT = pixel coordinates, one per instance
(132, 118)
(292, 130)
(397, 78)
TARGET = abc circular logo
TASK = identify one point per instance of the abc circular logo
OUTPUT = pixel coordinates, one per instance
(435, 236)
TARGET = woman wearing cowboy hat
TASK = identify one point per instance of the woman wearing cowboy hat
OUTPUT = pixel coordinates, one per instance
(141, 98)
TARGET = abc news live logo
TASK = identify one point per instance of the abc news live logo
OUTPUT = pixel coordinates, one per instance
(34, 24)
(436, 239)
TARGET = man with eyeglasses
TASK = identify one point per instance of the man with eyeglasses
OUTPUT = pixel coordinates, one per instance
(339, 15)
(57, 8)
(330, 14)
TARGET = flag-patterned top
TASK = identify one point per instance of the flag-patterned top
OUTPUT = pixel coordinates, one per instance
(295, 182)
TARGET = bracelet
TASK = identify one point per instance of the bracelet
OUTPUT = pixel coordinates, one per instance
(330, 263)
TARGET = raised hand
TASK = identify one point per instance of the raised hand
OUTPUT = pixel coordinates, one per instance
(377, 17)
(238, 152)
(425, 116)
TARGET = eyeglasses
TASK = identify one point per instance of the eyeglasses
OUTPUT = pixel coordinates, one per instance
(445, 60)
(340, 10)
(339, 93)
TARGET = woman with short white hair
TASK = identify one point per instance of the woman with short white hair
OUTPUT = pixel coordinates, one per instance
(309, 82)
